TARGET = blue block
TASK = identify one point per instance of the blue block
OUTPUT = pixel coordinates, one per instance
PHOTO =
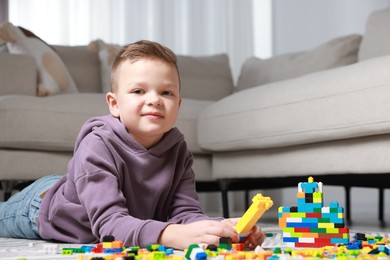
(309, 207)
(339, 240)
(309, 220)
(309, 187)
(201, 256)
(302, 225)
(286, 209)
(290, 239)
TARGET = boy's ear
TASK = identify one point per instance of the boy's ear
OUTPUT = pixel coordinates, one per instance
(180, 101)
(112, 104)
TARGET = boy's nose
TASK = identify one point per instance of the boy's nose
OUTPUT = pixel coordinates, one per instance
(154, 99)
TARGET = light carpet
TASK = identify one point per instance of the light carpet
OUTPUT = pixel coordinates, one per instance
(39, 249)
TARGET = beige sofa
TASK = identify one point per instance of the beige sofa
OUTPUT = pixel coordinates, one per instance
(321, 112)
(334, 124)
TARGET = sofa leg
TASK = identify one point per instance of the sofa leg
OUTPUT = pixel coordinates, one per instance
(224, 187)
(8, 187)
(247, 199)
(381, 208)
(348, 204)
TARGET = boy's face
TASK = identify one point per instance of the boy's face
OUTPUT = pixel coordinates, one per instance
(147, 99)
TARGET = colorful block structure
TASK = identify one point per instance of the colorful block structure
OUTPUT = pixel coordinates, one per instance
(310, 224)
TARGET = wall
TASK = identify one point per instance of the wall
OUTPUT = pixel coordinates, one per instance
(304, 24)
(3, 11)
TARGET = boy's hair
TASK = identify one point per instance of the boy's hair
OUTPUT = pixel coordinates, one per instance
(140, 50)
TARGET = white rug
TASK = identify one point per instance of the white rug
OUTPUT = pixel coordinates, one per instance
(32, 249)
(38, 249)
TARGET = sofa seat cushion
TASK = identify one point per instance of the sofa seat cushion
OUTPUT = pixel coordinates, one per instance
(356, 155)
(52, 123)
(46, 123)
(187, 121)
(346, 102)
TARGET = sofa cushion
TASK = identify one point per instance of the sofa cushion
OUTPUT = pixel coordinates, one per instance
(345, 102)
(46, 123)
(189, 112)
(205, 77)
(11, 69)
(376, 41)
(52, 123)
(83, 65)
(53, 77)
(362, 155)
(202, 77)
(335, 53)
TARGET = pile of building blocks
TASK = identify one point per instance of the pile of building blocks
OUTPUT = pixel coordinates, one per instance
(360, 247)
(310, 224)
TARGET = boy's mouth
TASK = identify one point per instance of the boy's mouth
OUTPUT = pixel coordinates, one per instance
(153, 115)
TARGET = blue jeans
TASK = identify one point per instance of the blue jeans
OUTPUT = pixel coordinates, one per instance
(19, 214)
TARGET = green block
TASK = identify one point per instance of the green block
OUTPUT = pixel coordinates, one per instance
(318, 230)
(298, 215)
(323, 220)
(157, 255)
(67, 251)
(317, 195)
(189, 250)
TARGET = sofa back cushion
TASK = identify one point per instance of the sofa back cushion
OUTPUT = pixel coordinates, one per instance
(11, 69)
(206, 77)
(83, 65)
(334, 53)
(376, 41)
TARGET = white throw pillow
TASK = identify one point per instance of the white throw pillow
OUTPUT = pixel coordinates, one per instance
(335, 53)
(53, 76)
(107, 53)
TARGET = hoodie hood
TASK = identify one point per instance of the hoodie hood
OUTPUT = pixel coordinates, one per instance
(111, 129)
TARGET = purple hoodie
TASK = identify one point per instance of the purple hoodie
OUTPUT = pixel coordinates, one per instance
(115, 186)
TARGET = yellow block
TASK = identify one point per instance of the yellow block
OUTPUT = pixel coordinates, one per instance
(325, 225)
(259, 205)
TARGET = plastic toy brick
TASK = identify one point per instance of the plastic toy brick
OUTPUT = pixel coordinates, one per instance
(259, 205)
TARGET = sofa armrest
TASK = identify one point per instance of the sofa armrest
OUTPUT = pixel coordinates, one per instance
(18, 75)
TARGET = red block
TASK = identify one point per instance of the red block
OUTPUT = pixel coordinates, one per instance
(314, 215)
(302, 230)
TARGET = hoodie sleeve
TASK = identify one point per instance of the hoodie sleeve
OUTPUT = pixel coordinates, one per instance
(186, 206)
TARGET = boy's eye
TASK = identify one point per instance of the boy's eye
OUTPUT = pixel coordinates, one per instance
(137, 91)
(167, 93)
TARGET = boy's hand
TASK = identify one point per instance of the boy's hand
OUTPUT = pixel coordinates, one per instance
(256, 237)
(200, 232)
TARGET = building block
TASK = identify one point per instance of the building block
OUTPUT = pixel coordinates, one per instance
(259, 205)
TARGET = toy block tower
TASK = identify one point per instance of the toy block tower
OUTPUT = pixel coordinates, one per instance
(310, 224)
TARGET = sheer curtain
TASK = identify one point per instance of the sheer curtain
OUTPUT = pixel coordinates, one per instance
(190, 27)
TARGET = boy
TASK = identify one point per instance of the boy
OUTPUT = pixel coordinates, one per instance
(131, 173)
